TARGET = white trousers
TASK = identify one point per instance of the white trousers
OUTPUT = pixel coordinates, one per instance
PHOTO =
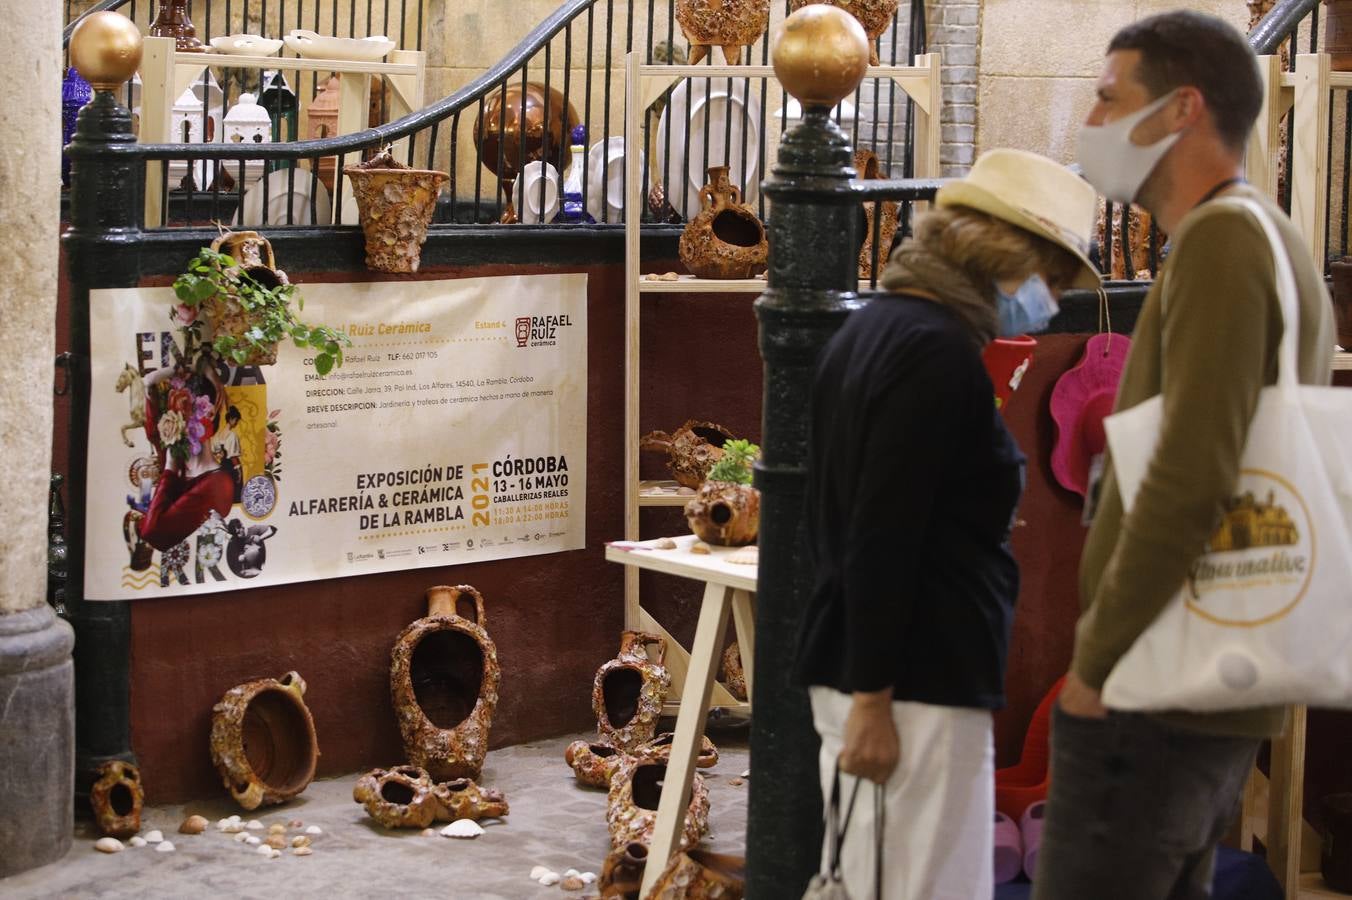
(938, 840)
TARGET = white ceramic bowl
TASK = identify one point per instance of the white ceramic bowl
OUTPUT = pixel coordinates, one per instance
(605, 179)
(317, 46)
(528, 193)
(733, 124)
(245, 45)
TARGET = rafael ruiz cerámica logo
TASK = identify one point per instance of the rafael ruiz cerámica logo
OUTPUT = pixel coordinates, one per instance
(540, 331)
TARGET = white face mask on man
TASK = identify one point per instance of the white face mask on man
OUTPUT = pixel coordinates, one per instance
(1112, 163)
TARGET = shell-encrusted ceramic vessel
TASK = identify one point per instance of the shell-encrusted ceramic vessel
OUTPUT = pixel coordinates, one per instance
(875, 15)
(725, 240)
(593, 763)
(263, 741)
(444, 678)
(734, 677)
(631, 807)
(622, 873)
(395, 204)
(867, 168)
(117, 797)
(692, 450)
(725, 513)
(461, 798)
(398, 798)
(659, 748)
(629, 691)
(730, 24)
(701, 875)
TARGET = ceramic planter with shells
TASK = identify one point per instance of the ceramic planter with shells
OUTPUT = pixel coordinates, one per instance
(461, 798)
(701, 875)
(734, 677)
(397, 798)
(395, 204)
(117, 797)
(622, 872)
(629, 691)
(867, 168)
(659, 748)
(223, 312)
(444, 677)
(263, 741)
(725, 240)
(631, 806)
(725, 513)
(875, 15)
(730, 24)
(692, 450)
(594, 764)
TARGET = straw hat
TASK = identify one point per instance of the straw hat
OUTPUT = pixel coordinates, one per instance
(1035, 194)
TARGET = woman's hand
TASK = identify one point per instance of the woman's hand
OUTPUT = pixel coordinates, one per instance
(872, 748)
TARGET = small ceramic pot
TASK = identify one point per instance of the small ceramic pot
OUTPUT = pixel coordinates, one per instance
(659, 748)
(592, 763)
(875, 15)
(734, 677)
(725, 513)
(730, 24)
(223, 313)
(692, 450)
(263, 741)
(701, 875)
(397, 798)
(725, 240)
(622, 873)
(631, 807)
(866, 165)
(117, 797)
(395, 205)
(444, 678)
(461, 798)
(629, 691)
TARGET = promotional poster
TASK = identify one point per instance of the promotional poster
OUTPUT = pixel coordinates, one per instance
(454, 431)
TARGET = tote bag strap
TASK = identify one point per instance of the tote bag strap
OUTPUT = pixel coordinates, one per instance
(1288, 373)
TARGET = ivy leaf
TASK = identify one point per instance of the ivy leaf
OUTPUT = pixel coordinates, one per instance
(323, 363)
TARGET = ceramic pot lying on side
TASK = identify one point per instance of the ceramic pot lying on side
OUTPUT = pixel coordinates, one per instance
(622, 873)
(725, 513)
(406, 797)
(629, 690)
(701, 875)
(263, 741)
(117, 797)
(631, 806)
(734, 676)
(692, 450)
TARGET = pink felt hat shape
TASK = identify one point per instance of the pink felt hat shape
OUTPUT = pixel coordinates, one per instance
(1082, 398)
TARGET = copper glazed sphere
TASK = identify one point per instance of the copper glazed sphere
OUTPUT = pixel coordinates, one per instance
(106, 50)
(820, 54)
(498, 130)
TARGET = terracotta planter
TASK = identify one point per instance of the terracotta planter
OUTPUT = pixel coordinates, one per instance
(1338, 34)
(701, 875)
(397, 798)
(692, 450)
(724, 513)
(866, 165)
(395, 205)
(725, 240)
(730, 24)
(875, 15)
(173, 22)
(223, 313)
(631, 807)
(461, 798)
(263, 741)
(593, 764)
(520, 126)
(622, 873)
(629, 691)
(734, 678)
(117, 797)
(659, 748)
(444, 679)
(1341, 270)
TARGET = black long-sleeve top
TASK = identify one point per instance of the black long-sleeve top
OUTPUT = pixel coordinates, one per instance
(912, 486)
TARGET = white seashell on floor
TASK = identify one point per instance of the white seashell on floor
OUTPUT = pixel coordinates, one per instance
(253, 841)
(264, 850)
(462, 828)
(254, 825)
(165, 847)
(137, 841)
(571, 873)
(108, 845)
(302, 840)
(429, 832)
(549, 879)
(233, 828)
(154, 837)
(277, 829)
(314, 829)
(538, 872)
(746, 774)
(301, 851)
(241, 836)
(589, 878)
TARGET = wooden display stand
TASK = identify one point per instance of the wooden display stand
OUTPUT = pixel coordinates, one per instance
(643, 85)
(728, 587)
(166, 73)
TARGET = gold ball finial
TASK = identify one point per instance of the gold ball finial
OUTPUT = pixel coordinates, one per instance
(821, 54)
(106, 50)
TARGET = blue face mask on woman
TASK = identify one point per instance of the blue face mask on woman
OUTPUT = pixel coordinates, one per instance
(1028, 309)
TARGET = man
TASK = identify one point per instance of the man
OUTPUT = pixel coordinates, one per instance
(1139, 802)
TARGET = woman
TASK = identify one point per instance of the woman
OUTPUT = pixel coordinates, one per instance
(226, 447)
(912, 486)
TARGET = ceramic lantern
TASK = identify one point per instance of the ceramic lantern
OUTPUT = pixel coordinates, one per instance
(280, 102)
(190, 123)
(247, 123)
(323, 123)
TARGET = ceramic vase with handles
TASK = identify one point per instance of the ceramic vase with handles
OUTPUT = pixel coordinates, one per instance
(629, 691)
(725, 240)
(444, 678)
(263, 741)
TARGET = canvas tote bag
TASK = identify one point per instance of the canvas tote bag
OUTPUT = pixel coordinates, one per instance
(1265, 615)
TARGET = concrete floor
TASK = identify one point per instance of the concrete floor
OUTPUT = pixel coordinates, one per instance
(554, 822)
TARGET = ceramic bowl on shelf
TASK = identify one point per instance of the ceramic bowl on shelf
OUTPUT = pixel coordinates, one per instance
(317, 46)
(245, 45)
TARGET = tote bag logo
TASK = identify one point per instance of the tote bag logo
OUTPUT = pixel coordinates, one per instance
(1260, 560)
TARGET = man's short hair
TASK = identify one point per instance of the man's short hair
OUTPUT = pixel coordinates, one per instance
(1192, 49)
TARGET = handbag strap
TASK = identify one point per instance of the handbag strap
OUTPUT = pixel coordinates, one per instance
(1288, 374)
(837, 838)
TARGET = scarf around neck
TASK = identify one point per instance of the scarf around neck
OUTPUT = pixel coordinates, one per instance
(912, 267)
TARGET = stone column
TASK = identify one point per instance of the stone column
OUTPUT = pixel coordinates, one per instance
(820, 56)
(37, 719)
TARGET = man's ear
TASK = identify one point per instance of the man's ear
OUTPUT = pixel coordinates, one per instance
(1189, 108)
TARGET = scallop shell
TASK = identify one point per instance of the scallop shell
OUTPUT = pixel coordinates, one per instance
(154, 837)
(462, 828)
(165, 847)
(301, 840)
(301, 851)
(538, 872)
(745, 556)
(137, 841)
(108, 845)
(549, 879)
(700, 548)
(314, 829)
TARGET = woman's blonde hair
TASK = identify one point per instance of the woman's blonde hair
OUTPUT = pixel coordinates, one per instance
(988, 249)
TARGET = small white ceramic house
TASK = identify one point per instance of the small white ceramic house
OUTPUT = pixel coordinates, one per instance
(247, 123)
(189, 125)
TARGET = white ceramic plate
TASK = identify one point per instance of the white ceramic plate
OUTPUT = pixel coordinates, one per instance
(317, 46)
(605, 179)
(251, 210)
(740, 108)
(528, 193)
(245, 45)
